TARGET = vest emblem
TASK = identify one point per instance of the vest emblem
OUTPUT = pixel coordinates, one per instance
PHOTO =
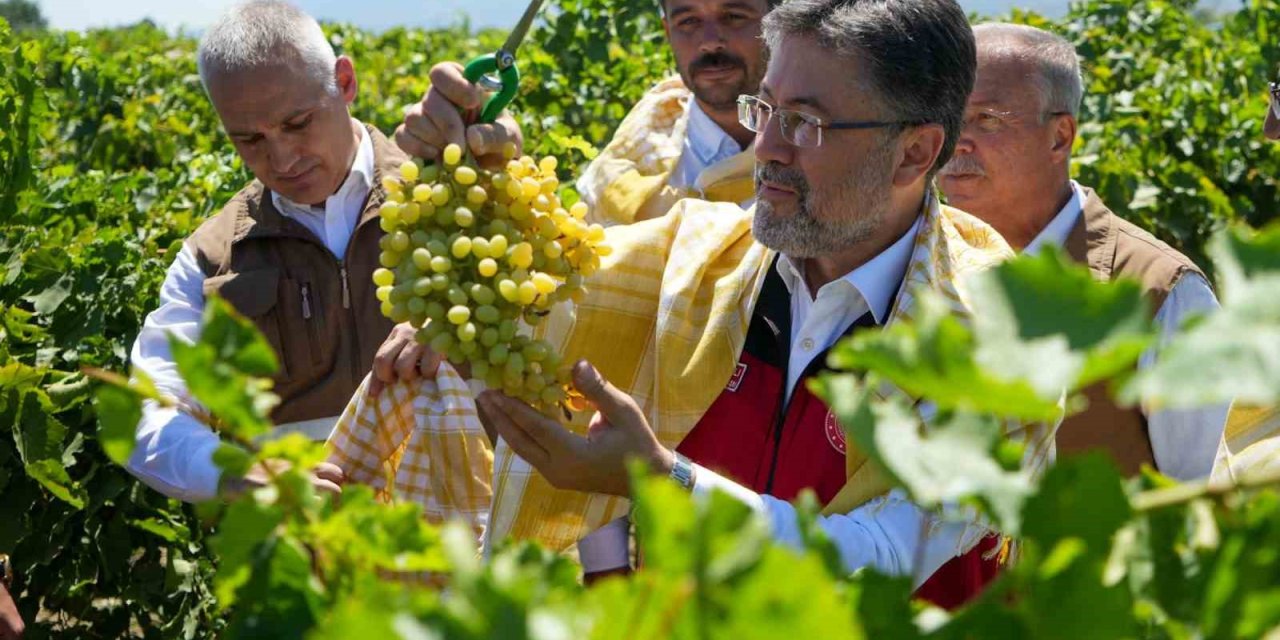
(835, 433)
(738, 374)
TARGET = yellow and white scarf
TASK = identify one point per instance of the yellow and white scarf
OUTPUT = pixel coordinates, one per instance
(665, 321)
(630, 180)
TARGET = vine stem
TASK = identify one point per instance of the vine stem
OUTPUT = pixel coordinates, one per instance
(1184, 493)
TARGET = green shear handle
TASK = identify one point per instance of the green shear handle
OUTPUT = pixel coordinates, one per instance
(507, 82)
(479, 71)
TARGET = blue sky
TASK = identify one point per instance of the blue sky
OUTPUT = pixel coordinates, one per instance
(373, 14)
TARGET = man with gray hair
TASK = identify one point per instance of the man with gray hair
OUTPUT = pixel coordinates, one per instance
(294, 251)
(1012, 169)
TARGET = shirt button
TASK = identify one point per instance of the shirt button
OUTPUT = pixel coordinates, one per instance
(807, 344)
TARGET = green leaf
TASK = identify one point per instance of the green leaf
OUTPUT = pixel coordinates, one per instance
(947, 461)
(1075, 485)
(119, 412)
(245, 528)
(236, 340)
(233, 460)
(53, 476)
(1234, 354)
(1047, 321)
(221, 371)
(933, 357)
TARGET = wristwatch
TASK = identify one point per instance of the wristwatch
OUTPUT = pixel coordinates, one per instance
(682, 471)
(6, 571)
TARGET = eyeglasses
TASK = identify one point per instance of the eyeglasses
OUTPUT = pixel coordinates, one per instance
(800, 129)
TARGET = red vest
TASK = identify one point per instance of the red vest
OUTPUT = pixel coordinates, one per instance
(753, 437)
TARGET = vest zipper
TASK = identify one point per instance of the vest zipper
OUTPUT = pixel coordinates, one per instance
(306, 301)
(780, 415)
(346, 291)
(354, 332)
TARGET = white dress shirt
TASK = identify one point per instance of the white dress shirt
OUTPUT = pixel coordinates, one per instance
(1184, 442)
(705, 144)
(173, 454)
(885, 533)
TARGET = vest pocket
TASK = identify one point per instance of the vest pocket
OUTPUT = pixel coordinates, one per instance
(254, 294)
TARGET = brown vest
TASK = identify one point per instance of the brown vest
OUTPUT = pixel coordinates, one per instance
(319, 313)
(1115, 248)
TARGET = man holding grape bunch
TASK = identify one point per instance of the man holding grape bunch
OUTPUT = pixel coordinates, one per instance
(705, 323)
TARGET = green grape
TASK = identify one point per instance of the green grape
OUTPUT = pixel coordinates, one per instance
(417, 306)
(466, 331)
(399, 241)
(435, 311)
(498, 245)
(409, 171)
(489, 315)
(479, 369)
(481, 294)
(422, 286)
(452, 154)
(487, 267)
(480, 247)
(457, 296)
(536, 351)
(383, 294)
(535, 382)
(383, 277)
(439, 282)
(489, 336)
(509, 290)
(464, 217)
(551, 395)
(499, 353)
(442, 342)
(506, 331)
(399, 312)
(410, 213)
(458, 314)
(441, 264)
(461, 247)
(422, 259)
(389, 259)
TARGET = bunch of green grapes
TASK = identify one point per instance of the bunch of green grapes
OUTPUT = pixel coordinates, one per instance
(470, 253)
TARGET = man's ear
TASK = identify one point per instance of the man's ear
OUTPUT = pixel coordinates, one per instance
(921, 145)
(344, 72)
(1064, 137)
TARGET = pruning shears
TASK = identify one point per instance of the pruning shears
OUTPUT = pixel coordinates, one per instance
(502, 62)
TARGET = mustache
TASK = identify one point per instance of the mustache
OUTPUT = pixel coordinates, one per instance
(963, 165)
(783, 176)
(716, 59)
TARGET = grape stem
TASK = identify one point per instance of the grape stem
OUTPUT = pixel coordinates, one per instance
(1187, 492)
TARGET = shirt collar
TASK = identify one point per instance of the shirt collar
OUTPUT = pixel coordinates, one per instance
(877, 280)
(708, 141)
(1059, 228)
(358, 184)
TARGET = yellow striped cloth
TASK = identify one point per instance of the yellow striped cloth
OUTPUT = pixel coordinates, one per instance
(422, 443)
(1250, 444)
(628, 181)
(666, 320)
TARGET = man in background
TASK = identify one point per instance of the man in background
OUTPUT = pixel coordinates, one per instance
(294, 251)
(1012, 169)
(683, 139)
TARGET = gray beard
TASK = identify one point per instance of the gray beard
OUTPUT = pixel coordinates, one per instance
(804, 235)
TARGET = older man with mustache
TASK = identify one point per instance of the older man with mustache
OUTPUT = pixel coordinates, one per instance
(1012, 169)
